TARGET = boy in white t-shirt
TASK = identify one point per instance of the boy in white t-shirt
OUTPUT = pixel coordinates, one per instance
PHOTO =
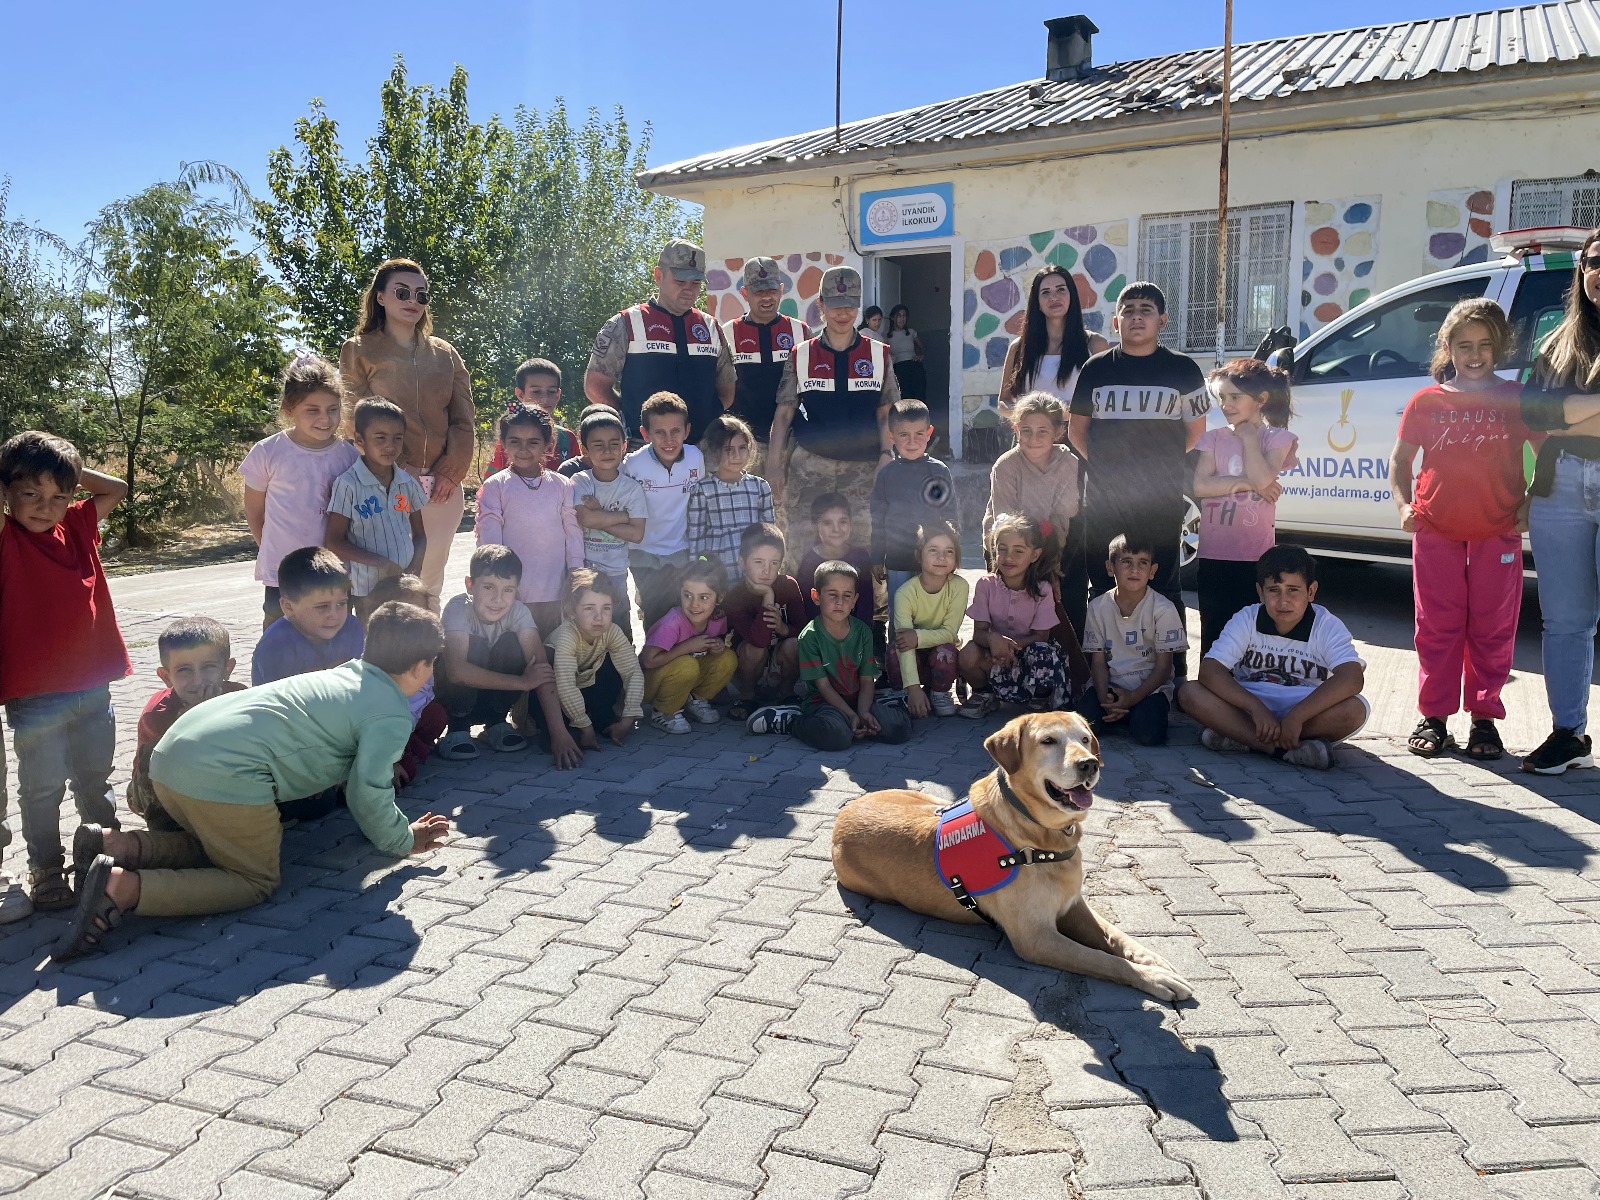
(668, 469)
(1283, 678)
(1131, 634)
(611, 507)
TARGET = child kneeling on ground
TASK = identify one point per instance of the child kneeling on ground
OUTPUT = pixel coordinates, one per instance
(597, 676)
(223, 765)
(686, 658)
(838, 668)
(1283, 678)
(1131, 634)
(493, 657)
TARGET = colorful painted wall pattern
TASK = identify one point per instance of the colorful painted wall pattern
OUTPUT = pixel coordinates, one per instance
(999, 272)
(802, 277)
(1460, 221)
(1341, 248)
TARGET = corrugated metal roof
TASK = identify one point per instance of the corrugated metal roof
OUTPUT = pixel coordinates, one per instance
(1262, 71)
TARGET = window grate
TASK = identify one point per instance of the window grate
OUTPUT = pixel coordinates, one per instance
(1542, 202)
(1178, 252)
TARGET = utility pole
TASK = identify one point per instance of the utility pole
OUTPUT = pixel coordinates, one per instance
(1222, 182)
(838, 74)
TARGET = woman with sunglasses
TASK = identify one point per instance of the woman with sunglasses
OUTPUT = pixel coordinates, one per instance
(394, 355)
(1564, 514)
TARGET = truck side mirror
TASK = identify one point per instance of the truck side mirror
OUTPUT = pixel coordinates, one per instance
(1282, 359)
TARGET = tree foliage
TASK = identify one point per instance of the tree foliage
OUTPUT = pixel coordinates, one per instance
(186, 349)
(532, 232)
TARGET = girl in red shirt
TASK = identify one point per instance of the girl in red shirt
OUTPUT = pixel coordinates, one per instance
(1465, 513)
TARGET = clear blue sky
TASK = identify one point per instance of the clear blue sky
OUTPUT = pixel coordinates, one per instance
(104, 99)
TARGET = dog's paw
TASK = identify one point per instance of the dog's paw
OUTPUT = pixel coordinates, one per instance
(1165, 984)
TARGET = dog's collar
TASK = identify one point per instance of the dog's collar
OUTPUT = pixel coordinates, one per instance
(1039, 856)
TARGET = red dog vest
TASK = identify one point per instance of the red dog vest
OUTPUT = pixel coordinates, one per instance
(973, 859)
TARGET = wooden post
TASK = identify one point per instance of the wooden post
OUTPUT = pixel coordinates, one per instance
(1222, 182)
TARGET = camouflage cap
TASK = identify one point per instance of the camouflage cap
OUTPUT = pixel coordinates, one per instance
(841, 288)
(762, 275)
(684, 259)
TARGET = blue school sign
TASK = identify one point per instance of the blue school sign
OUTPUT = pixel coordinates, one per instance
(907, 214)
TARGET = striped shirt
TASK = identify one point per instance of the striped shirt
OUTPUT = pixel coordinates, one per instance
(719, 512)
(380, 518)
(577, 662)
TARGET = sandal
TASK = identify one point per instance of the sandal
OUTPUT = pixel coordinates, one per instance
(88, 843)
(1430, 738)
(1484, 743)
(458, 746)
(503, 739)
(49, 890)
(97, 913)
(740, 709)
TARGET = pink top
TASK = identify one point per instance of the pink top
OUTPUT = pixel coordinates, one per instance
(1241, 527)
(535, 518)
(297, 482)
(1015, 614)
(675, 627)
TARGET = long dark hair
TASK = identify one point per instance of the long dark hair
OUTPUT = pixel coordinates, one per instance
(372, 313)
(1036, 337)
(1571, 354)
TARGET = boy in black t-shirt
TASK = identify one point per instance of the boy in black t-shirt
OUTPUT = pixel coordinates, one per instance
(1137, 410)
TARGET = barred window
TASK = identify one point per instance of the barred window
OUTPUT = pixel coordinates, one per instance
(1178, 252)
(1543, 202)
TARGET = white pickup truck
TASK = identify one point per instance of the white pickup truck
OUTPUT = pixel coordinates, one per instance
(1353, 377)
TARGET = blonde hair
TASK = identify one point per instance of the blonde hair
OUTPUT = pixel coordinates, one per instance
(372, 313)
(1466, 312)
(1038, 402)
(1571, 353)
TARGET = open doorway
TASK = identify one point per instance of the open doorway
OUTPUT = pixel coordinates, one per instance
(922, 283)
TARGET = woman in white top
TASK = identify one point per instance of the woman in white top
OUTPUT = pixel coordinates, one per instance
(872, 323)
(905, 347)
(1054, 344)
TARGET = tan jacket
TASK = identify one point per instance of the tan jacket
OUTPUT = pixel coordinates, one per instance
(429, 382)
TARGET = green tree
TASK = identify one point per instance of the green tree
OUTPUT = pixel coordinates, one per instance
(187, 348)
(44, 337)
(532, 233)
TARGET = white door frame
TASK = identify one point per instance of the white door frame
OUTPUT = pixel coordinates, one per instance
(956, 246)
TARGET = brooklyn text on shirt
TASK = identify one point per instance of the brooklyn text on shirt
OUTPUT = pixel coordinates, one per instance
(1143, 402)
(1281, 668)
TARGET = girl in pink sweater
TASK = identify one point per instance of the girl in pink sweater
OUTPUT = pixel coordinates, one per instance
(530, 510)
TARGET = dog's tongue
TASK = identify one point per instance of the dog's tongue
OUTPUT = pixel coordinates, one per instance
(1081, 797)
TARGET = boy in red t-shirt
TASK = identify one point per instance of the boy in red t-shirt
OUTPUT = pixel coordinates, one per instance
(60, 648)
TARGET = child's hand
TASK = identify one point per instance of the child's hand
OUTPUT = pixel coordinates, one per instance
(619, 731)
(587, 739)
(869, 724)
(1002, 649)
(1266, 725)
(428, 831)
(401, 777)
(917, 701)
(1522, 514)
(590, 502)
(564, 750)
(390, 569)
(1272, 493)
(774, 620)
(1408, 522)
(1289, 730)
(716, 645)
(537, 675)
(905, 639)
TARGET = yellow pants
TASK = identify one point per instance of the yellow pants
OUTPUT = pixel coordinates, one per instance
(225, 857)
(666, 689)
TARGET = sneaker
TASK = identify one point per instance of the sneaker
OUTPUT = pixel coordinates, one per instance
(702, 711)
(979, 705)
(1562, 749)
(669, 722)
(14, 902)
(943, 704)
(773, 718)
(1212, 740)
(1313, 753)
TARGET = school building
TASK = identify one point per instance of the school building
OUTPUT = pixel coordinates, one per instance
(1360, 159)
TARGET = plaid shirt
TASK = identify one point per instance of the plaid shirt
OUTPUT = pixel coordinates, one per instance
(719, 512)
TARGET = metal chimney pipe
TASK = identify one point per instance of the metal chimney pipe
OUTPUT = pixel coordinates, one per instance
(1069, 50)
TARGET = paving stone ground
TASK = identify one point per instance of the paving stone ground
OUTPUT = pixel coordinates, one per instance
(640, 980)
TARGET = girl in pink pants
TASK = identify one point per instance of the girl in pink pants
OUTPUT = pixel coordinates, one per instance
(1465, 509)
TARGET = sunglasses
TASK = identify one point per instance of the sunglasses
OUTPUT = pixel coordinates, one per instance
(1590, 263)
(403, 293)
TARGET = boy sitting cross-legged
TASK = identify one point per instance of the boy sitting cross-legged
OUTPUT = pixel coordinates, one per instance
(493, 656)
(1131, 634)
(60, 649)
(223, 764)
(317, 629)
(1283, 678)
(839, 669)
(195, 665)
(766, 612)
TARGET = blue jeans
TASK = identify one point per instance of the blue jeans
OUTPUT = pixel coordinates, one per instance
(61, 736)
(1565, 528)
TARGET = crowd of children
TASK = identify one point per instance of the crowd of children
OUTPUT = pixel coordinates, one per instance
(345, 705)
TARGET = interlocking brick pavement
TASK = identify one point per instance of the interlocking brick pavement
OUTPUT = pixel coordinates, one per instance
(639, 979)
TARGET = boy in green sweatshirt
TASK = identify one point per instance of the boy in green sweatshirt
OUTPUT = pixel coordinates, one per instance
(222, 767)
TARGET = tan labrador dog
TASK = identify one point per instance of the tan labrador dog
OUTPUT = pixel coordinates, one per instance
(884, 847)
